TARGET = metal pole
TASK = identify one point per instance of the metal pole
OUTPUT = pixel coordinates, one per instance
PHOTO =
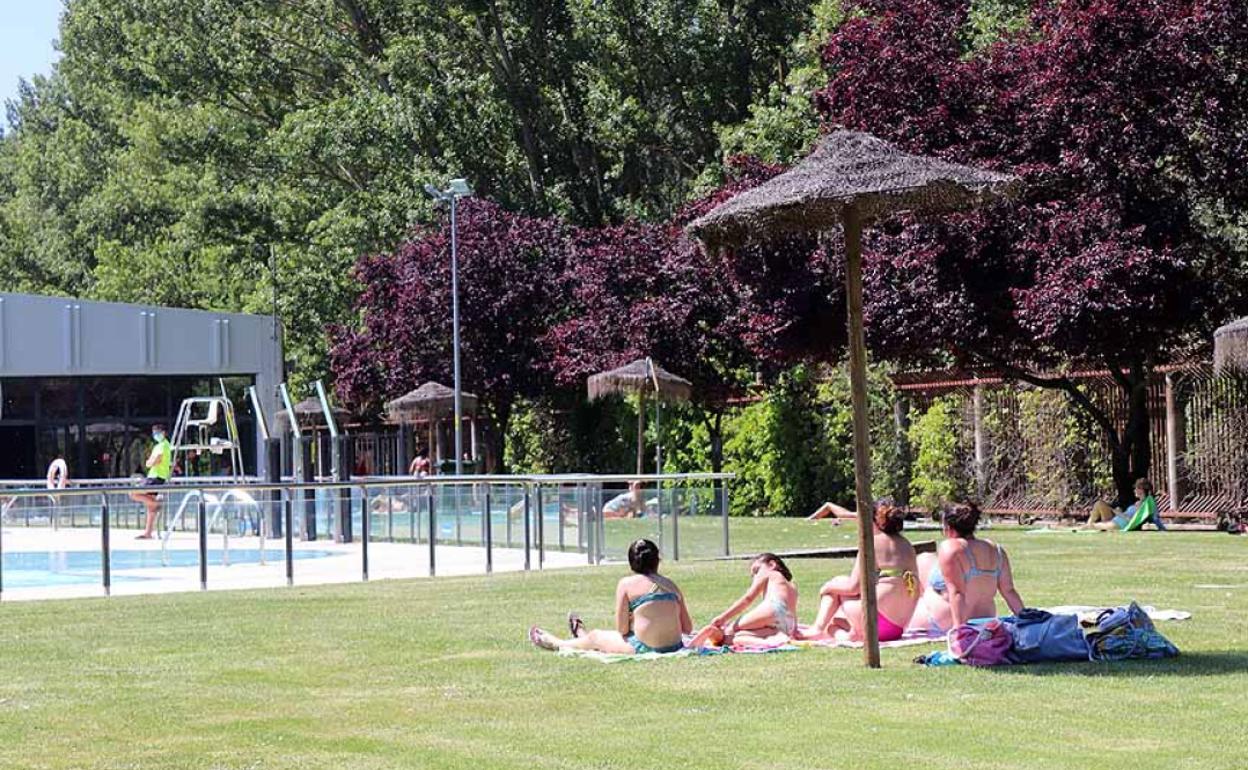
(528, 537)
(201, 518)
(541, 530)
(289, 532)
(105, 560)
(459, 415)
(723, 513)
(862, 436)
(365, 520)
(433, 535)
(488, 525)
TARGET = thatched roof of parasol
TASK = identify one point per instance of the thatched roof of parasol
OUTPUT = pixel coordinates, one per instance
(430, 401)
(848, 168)
(308, 412)
(1230, 347)
(640, 376)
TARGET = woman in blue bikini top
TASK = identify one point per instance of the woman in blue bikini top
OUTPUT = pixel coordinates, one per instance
(650, 613)
(964, 577)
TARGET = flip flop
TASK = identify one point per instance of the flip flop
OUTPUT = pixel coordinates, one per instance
(575, 624)
(536, 637)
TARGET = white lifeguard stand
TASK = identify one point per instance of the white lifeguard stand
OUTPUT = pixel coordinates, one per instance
(206, 424)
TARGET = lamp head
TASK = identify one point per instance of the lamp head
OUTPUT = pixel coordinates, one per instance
(461, 188)
(434, 192)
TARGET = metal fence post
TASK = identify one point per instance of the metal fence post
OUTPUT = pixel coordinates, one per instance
(723, 512)
(288, 532)
(528, 537)
(201, 519)
(541, 529)
(587, 525)
(509, 545)
(459, 524)
(365, 520)
(559, 513)
(105, 559)
(433, 534)
(487, 524)
(676, 526)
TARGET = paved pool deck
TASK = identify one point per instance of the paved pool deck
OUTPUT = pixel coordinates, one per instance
(342, 564)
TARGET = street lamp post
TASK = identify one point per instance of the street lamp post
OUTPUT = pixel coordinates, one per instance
(458, 188)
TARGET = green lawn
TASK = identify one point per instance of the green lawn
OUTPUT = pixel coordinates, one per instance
(438, 674)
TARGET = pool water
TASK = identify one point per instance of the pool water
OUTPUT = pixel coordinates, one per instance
(28, 569)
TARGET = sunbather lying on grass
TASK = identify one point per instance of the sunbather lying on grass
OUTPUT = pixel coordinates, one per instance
(650, 613)
(776, 614)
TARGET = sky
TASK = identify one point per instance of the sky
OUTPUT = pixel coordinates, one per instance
(27, 29)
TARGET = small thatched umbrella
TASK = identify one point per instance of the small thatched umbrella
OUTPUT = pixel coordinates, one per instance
(645, 378)
(308, 412)
(1230, 347)
(431, 402)
(851, 179)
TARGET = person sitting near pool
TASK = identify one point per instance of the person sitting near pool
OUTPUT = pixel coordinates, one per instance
(650, 613)
(776, 614)
(625, 505)
(964, 576)
(1143, 511)
(833, 510)
(897, 587)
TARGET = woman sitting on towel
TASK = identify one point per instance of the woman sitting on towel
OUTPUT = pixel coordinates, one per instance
(965, 575)
(650, 613)
(897, 588)
(777, 614)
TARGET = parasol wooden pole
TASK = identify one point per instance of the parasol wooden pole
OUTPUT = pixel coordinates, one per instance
(862, 438)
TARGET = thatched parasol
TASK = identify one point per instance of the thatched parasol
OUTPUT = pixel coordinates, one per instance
(1230, 347)
(645, 378)
(851, 179)
(308, 412)
(430, 401)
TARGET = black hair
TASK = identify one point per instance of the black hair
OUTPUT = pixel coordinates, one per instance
(643, 557)
(781, 567)
(962, 518)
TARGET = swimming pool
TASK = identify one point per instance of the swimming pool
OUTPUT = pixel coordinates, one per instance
(28, 569)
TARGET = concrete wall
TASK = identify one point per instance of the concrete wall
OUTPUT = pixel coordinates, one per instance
(60, 337)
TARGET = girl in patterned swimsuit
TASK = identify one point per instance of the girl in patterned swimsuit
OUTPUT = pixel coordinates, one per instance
(776, 614)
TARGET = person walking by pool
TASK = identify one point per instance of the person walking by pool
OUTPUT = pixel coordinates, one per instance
(419, 466)
(897, 585)
(965, 575)
(1142, 511)
(650, 613)
(776, 614)
(159, 470)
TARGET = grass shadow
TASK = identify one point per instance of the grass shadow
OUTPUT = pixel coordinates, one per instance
(1188, 664)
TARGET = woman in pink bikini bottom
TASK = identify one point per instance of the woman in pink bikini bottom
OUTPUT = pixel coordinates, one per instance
(897, 587)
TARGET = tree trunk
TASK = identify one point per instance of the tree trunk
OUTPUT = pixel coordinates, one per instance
(1133, 458)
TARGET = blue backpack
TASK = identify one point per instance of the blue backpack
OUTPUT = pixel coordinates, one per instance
(1128, 632)
(1041, 636)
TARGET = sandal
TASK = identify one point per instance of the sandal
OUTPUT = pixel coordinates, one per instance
(576, 626)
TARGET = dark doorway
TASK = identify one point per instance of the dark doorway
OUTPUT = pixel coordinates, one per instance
(17, 453)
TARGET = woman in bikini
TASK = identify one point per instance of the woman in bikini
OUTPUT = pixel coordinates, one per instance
(776, 614)
(650, 613)
(897, 588)
(964, 577)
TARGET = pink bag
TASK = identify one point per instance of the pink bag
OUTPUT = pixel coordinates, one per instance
(981, 644)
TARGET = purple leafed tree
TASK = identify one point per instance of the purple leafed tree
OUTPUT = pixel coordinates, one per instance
(511, 273)
(1125, 119)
